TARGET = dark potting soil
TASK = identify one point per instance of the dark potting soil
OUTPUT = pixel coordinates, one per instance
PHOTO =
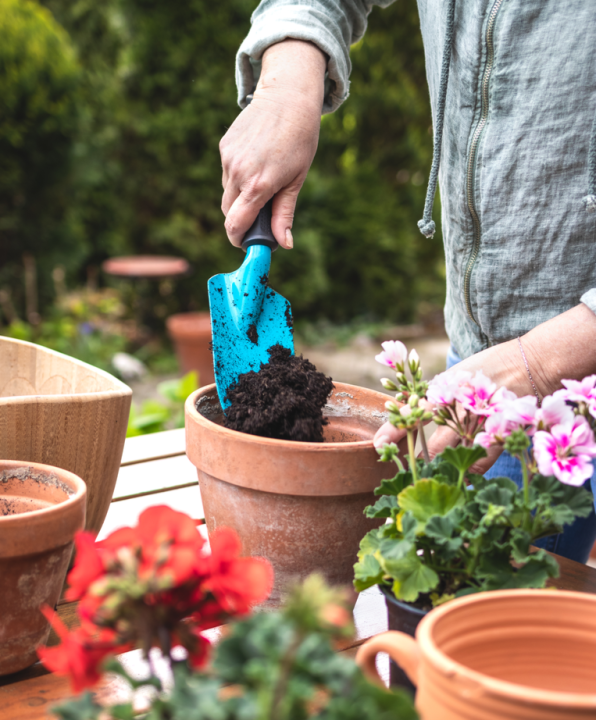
(283, 400)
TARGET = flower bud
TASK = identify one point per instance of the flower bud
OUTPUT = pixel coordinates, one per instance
(413, 401)
(388, 384)
(413, 361)
(391, 406)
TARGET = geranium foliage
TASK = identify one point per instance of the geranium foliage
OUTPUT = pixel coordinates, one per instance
(450, 531)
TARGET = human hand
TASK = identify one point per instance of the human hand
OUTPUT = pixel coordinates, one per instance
(503, 364)
(549, 358)
(269, 148)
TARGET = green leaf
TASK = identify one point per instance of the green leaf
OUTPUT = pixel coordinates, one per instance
(409, 525)
(367, 572)
(82, 708)
(440, 528)
(394, 550)
(462, 458)
(179, 389)
(429, 497)
(370, 543)
(411, 577)
(383, 508)
(396, 484)
(494, 495)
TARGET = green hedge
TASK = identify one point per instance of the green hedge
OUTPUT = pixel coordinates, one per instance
(156, 95)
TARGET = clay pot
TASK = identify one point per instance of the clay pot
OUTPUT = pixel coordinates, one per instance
(41, 508)
(62, 412)
(503, 655)
(403, 617)
(297, 504)
(191, 335)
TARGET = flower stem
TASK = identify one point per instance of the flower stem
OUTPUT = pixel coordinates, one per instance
(526, 486)
(424, 445)
(412, 455)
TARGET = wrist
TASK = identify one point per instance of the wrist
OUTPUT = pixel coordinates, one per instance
(294, 71)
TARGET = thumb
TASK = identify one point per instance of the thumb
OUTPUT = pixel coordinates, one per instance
(282, 216)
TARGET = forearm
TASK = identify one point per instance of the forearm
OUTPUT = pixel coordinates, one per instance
(562, 348)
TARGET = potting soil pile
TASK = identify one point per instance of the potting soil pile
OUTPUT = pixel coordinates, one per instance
(284, 399)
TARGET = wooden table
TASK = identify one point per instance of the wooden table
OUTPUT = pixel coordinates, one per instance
(155, 470)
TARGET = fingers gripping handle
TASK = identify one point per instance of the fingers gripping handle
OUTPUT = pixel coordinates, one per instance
(260, 231)
(402, 648)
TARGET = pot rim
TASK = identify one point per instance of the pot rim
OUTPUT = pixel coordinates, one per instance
(44, 514)
(450, 668)
(390, 597)
(194, 414)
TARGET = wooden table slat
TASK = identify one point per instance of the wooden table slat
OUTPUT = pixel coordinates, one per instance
(154, 476)
(153, 447)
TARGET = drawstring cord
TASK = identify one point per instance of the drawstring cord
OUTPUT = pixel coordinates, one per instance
(427, 225)
(590, 199)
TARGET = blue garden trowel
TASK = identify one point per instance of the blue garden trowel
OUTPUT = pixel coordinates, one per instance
(247, 316)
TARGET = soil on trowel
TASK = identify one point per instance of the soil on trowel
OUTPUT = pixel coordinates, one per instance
(283, 400)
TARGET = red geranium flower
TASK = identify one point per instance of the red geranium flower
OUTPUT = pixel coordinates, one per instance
(237, 583)
(87, 566)
(79, 655)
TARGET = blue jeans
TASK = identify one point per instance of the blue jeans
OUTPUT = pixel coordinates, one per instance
(577, 539)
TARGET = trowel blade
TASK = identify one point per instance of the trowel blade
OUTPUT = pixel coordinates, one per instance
(237, 351)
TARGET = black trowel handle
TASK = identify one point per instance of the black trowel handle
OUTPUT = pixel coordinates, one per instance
(260, 231)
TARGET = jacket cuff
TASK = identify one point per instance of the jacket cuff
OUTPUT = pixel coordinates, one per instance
(299, 22)
(589, 299)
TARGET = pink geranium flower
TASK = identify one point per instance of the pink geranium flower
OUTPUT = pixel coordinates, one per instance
(580, 391)
(480, 396)
(497, 428)
(394, 354)
(566, 452)
(554, 411)
(444, 388)
(521, 410)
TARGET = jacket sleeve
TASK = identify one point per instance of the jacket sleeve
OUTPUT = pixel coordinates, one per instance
(332, 25)
(589, 299)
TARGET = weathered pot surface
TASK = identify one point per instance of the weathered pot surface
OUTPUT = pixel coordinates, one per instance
(41, 508)
(501, 655)
(298, 504)
(403, 617)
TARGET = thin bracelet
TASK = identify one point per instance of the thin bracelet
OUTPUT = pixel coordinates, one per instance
(529, 373)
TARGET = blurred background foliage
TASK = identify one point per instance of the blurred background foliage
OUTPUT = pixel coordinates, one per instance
(112, 115)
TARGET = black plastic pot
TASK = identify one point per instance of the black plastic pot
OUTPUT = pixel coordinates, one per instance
(403, 617)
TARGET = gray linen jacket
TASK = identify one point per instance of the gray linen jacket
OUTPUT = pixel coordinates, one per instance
(520, 245)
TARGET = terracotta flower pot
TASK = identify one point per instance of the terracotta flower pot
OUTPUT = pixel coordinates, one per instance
(62, 412)
(503, 655)
(403, 617)
(191, 335)
(41, 508)
(297, 504)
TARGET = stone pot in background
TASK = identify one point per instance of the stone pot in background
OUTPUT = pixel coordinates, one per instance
(300, 505)
(191, 335)
(62, 412)
(499, 655)
(41, 509)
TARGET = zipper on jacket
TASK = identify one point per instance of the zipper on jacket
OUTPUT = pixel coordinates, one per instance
(471, 169)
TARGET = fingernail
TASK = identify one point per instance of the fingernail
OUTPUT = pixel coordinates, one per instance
(380, 441)
(289, 238)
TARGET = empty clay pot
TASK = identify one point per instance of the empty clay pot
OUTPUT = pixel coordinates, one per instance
(503, 655)
(41, 508)
(191, 335)
(300, 505)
